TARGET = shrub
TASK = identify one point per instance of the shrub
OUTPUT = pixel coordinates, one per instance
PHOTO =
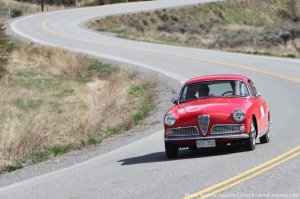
(5, 48)
(136, 25)
(51, 2)
(16, 12)
(101, 70)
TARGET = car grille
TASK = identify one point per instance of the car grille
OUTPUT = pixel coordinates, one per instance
(185, 131)
(203, 121)
(227, 128)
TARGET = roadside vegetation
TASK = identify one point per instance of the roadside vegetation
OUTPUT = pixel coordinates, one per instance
(267, 27)
(54, 101)
(15, 8)
(11, 9)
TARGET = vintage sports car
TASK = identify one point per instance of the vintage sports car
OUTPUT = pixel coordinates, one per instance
(216, 110)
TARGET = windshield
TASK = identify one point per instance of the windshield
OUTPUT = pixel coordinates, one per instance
(220, 88)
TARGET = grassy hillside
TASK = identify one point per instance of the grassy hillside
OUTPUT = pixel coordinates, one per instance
(16, 8)
(53, 101)
(253, 26)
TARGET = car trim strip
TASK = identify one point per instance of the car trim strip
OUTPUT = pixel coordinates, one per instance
(236, 136)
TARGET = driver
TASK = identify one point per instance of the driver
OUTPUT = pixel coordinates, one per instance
(203, 90)
(193, 88)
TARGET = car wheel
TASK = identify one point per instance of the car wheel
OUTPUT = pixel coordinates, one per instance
(171, 150)
(250, 142)
(266, 137)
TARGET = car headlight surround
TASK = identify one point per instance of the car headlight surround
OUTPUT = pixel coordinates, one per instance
(239, 115)
(170, 119)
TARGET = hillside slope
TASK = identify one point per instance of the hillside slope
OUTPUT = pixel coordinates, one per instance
(252, 26)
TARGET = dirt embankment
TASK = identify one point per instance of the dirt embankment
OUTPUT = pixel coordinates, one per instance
(266, 27)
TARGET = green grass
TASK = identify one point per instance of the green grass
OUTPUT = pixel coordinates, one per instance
(141, 92)
(92, 141)
(39, 156)
(15, 166)
(28, 104)
(137, 90)
(64, 93)
(48, 92)
(6, 47)
(110, 131)
(265, 54)
(57, 150)
(36, 157)
(103, 70)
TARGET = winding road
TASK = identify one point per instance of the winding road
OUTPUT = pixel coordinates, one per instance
(140, 169)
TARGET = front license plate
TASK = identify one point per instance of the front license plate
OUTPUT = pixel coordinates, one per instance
(205, 143)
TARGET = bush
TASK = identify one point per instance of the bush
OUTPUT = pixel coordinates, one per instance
(233, 39)
(136, 25)
(51, 2)
(5, 48)
(16, 12)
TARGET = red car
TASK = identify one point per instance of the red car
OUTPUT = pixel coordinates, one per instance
(216, 110)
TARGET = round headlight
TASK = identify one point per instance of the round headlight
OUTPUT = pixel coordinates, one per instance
(170, 120)
(239, 115)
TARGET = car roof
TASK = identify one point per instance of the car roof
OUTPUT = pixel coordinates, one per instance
(218, 77)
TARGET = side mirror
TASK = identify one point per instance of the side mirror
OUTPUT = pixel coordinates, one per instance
(258, 95)
(174, 100)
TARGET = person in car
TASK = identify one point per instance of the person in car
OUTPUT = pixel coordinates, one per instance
(203, 90)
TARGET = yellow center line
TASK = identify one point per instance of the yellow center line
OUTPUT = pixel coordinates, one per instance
(46, 27)
(272, 73)
(252, 175)
(254, 169)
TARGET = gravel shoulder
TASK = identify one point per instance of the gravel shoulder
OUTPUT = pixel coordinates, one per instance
(165, 88)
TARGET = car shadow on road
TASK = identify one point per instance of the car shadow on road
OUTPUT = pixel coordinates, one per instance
(183, 154)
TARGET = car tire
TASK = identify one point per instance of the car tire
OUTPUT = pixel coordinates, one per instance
(265, 138)
(250, 142)
(171, 150)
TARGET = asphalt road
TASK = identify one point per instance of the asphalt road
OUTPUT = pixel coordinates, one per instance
(140, 169)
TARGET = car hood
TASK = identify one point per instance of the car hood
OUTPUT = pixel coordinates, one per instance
(212, 105)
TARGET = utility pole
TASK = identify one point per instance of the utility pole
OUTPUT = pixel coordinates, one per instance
(42, 5)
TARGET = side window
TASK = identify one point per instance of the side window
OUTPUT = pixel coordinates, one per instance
(252, 88)
(244, 90)
(184, 94)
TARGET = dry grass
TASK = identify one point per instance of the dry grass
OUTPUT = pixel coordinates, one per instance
(22, 8)
(57, 62)
(28, 8)
(256, 25)
(50, 97)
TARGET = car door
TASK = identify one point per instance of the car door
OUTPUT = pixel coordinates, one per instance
(261, 108)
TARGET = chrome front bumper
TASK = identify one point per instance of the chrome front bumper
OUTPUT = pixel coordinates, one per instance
(190, 138)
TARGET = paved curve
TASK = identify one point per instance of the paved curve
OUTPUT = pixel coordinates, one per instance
(140, 169)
